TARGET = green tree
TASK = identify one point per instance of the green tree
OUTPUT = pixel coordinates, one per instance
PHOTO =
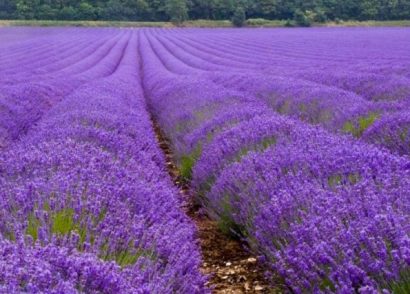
(157, 10)
(86, 11)
(45, 11)
(113, 10)
(224, 8)
(7, 8)
(320, 15)
(368, 10)
(301, 18)
(239, 17)
(401, 10)
(67, 13)
(136, 9)
(25, 9)
(177, 11)
(268, 8)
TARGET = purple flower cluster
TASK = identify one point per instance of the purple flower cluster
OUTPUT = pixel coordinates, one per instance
(257, 120)
(326, 211)
(272, 67)
(31, 83)
(56, 269)
(86, 204)
(392, 132)
(320, 207)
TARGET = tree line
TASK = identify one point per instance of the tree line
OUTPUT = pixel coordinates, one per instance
(180, 10)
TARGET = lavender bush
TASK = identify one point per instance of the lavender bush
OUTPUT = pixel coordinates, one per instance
(294, 140)
(324, 210)
(86, 204)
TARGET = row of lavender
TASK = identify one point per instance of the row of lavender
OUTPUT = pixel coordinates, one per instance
(33, 80)
(326, 211)
(368, 79)
(85, 202)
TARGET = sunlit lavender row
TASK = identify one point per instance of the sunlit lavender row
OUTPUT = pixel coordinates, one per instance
(296, 141)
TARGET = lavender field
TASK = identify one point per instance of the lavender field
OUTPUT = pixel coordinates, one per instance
(295, 141)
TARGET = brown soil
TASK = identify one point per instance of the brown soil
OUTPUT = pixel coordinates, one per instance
(231, 268)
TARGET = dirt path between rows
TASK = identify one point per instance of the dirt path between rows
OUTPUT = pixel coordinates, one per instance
(231, 268)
